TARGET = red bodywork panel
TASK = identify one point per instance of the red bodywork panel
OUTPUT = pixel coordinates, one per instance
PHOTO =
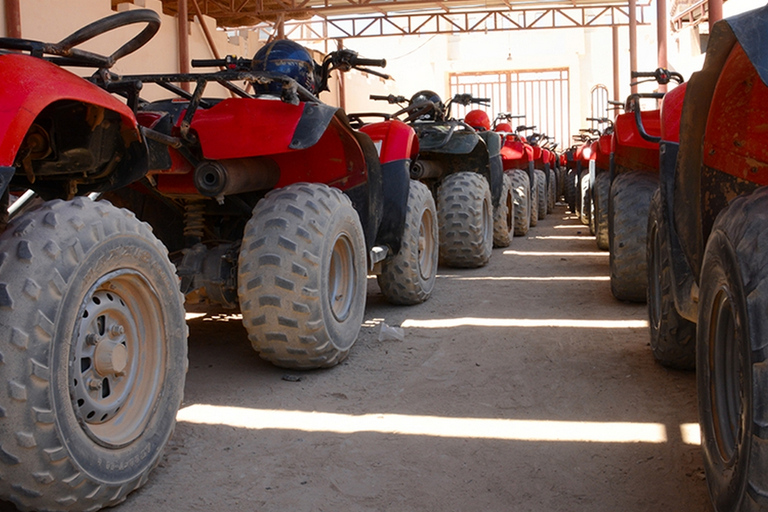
(515, 154)
(736, 139)
(28, 85)
(255, 127)
(671, 110)
(394, 140)
(603, 149)
(631, 151)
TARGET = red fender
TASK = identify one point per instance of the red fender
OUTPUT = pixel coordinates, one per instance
(631, 151)
(671, 110)
(394, 140)
(735, 139)
(515, 154)
(30, 84)
(253, 127)
(603, 152)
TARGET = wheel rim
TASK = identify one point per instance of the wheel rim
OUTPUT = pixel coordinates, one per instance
(341, 277)
(427, 245)
(726, 386)
(118, 358)
(654, 279)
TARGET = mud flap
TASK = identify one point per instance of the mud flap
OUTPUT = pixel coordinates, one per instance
(682, 274)
(314, 121)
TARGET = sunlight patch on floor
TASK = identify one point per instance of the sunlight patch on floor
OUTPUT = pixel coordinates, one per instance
(434, 426)
(691, 433)
(555, 253)
(528, 278)
(525, 322)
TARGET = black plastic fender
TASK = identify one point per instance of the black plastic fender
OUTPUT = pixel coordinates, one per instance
(315, 119)
(395, 188)
(749, 29)
(493, 144)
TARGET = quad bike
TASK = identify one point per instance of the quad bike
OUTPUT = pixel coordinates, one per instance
(578, 162)
(599, 181)
(517, 162)
(454, 161)
(244, 192)
(504, 212)
(634, 178)
(707, 268)
(544, 162)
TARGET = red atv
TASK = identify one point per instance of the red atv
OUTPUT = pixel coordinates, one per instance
(707, 266)
(90, 308)
(634, 178)
(595, 189)
(518, 162)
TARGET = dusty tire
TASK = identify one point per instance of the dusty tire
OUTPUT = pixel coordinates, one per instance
(465, 220)
(585, 198)
(731, 355)
(504, 215)
(534, 213)
(673, 338)
(541, 193)
(409, 276)
(571, 185)
(631, 194)
(551, 192)
(302, 276)
(521, 189)
(94, 355)
(600, 193)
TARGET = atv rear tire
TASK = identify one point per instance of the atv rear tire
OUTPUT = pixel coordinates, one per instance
(521, 188)
(631, 194)
(94, 355)
(600, 200)
(541, 193)
(571, 186)
(551, 192)
(408, 277)
(534, 202)
(465, 220)
(504, 215)
(585, 200)
(731, 355)
(302, 276)
(673, 338)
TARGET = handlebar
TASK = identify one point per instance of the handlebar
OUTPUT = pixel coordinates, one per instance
(377, 63)
(390, 98)
(660, 75)
(231, 62)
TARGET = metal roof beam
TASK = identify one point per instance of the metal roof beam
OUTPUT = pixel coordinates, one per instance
(342, 27)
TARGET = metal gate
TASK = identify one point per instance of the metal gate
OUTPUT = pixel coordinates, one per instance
(542, 96)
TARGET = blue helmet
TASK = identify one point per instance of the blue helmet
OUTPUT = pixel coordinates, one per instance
(286, 58)
(424, 96)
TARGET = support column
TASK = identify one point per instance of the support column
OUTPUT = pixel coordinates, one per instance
(661, 37)
(616, 74)
(633, 38)
(715, 12)
(183, 20)
(12, 18)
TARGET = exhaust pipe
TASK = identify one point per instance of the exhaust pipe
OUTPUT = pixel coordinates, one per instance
(426, 169)
(219, 178)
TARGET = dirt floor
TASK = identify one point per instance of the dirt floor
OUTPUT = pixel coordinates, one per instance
(520, 386)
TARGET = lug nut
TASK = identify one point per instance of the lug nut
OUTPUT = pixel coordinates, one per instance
(92, 339)
(117, 330)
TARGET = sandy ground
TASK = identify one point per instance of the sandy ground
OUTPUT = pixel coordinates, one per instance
(520, 386)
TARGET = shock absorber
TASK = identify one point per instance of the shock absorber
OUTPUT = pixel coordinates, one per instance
(194, 221)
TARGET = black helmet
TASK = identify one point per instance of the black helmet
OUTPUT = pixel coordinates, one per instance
(424, 96)
(287, 58)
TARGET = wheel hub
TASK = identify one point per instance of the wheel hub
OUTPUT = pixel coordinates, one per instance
(101, 374)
